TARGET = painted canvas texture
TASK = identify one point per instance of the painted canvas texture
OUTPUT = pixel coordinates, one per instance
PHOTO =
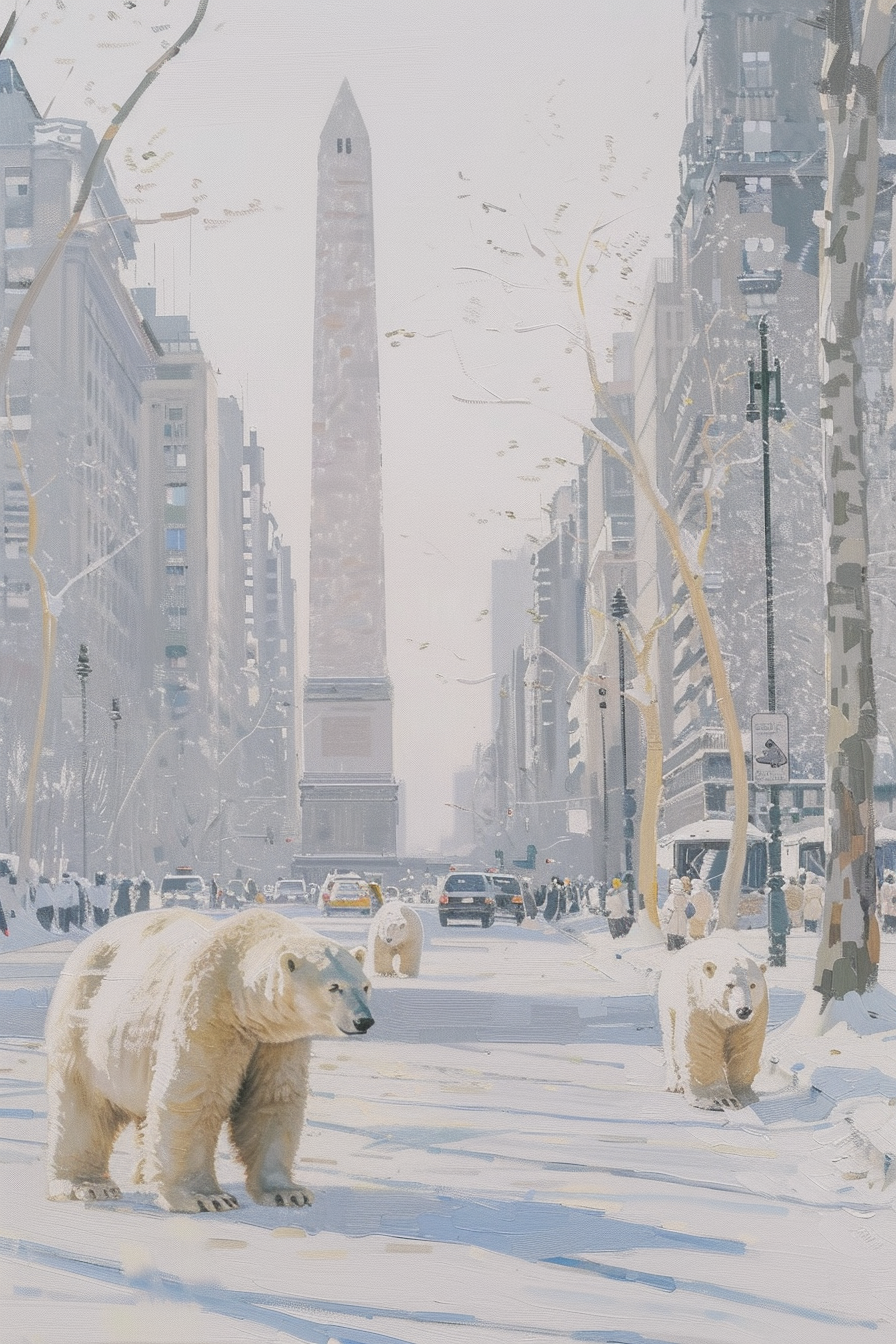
(448, 854)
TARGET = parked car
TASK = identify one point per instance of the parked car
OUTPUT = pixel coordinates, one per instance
(290, 889)
(508, 896)
(350, 891)
(184, 887)
(467, 896)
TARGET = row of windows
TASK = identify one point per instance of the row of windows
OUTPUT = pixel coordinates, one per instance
(348, 145)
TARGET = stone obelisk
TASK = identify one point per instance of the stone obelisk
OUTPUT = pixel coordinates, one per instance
(348, 793)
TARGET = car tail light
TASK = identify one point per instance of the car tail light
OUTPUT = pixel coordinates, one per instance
(516, 900)
(443, 900)
(489, 900)
(326, 896)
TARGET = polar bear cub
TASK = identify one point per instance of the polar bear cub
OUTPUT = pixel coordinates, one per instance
(396, 932)
(181, 1024)
(713, 1006)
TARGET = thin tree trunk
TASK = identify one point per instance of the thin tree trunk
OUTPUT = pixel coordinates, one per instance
(850, 89)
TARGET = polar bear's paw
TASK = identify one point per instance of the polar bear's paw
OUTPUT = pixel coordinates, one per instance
(285, 1196)
(197, 1201)
(726, 1102)
(87, 1190)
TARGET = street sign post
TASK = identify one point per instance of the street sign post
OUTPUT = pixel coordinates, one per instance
(771, 748)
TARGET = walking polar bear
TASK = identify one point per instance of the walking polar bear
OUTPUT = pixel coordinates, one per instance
(181, 1023)
(713, 1006)
(396, 931)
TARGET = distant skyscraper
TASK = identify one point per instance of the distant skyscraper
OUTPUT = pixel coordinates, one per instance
(348, 793)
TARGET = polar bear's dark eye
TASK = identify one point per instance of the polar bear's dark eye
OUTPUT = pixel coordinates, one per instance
(290, 964)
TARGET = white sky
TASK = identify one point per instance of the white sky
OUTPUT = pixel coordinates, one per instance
(516, 95)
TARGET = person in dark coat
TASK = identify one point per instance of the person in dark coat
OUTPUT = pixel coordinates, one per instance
(43, 903)
(99, 899)
(144, 890)
(123, 897)
(552, 899)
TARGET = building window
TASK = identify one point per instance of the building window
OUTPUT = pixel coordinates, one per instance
(18, 183)
(176, 496)
(18, 198)
(756, 70)
(339, 146)
(175, 538)
(348, 145)
(176, 655)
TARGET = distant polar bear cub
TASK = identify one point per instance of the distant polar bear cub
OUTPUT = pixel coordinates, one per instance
(181, 1024)
(397, 931)
(713, 1005)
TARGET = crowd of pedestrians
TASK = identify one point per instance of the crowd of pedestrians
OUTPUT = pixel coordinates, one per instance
(74, 902)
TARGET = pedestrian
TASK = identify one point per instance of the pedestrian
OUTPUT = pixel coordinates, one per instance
(794, 895)
(123, 897)
(65, 893)
(619, 919)
(674, 915)
(144, 890)
(704, 909)
(887, 902)
(215, 892)
(83, 900)
(74, 901)
(43, 903)
(592, 897)
(813, 904)
(530, 909)
(100, 898)
(4, 927)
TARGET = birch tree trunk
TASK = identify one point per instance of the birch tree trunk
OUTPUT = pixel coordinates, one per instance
(849, 89)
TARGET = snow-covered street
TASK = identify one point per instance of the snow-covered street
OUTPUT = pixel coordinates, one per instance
(497, 1161)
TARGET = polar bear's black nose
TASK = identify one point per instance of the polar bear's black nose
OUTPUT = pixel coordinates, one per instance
(744, 1013)
(362, 1024)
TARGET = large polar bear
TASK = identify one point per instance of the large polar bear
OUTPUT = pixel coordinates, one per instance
(713, 1005)
(181, 1023)
(397, 930)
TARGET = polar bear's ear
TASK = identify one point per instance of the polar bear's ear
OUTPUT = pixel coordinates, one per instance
(709, 969)
(359, 953)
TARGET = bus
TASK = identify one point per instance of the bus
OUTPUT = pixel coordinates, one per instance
(701, 850)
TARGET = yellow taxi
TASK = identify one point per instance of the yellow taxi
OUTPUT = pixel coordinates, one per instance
(350, 891)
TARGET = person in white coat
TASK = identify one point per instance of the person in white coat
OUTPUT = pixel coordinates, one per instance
(704, 909)
(813, 904)
(674, 916)
(887, 902)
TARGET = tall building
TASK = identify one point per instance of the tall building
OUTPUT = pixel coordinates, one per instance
(348, 792)
(70, 430)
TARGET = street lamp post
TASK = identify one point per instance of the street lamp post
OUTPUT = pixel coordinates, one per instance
(619, 609)
(605, 801)
(115, 716)
(778, 919)
(82, 672)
